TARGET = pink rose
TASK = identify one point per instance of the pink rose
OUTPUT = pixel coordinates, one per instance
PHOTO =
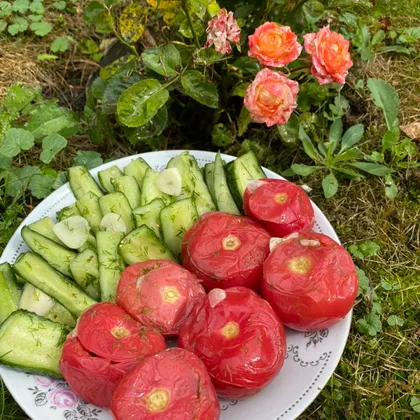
(271, 98)
(222, 29)
(43, 381)
(330, 56)
(63, 398)
(274, 45)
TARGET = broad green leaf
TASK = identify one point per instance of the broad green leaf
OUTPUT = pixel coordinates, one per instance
(364, 285)
(50, 118)
(17, 180)
(131, 22)
(240, 90)
(114, 89)
(336, 131)
(410, 35)
(88, 158)
(352, 136)
(152, 129)
(390, 139)
(37, 7)
(41, 28)
(304, 170)
(371, 324)
(18, 97)
(330, 185)
(308, 146)
(347, 155)
(415, 404)
(164, 60)
(200, 89)
(372, 168)
(243, 121)
(20, 6)
(391, 189)
(60, 44)
(15, 140)
(378, 37)
(141, 102)
(5, 162)
(60, 5)
(289, 133)
(395, 320)
(87, 46)
(355, 252)
(35, 18)
(221, 136)
(198, 7)
(51, 145)
(3, 25)
(377, 157)
(41, 185)
(20, 24)
(207, 56)
(369, 248)
(385, 97)
(386, 285)
(6, 9)
(247, 65)
(124, 64)
(213, 8)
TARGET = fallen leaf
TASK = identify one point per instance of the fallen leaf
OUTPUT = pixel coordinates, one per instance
(412, 130)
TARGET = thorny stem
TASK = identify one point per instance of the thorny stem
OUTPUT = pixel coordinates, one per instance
(190, 22)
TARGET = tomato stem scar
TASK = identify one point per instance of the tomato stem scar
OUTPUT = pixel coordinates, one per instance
(299, 265)
(120, 332)
(230, 330)
(157, 400)
(281, 198)
(170, 294)
(230, 243)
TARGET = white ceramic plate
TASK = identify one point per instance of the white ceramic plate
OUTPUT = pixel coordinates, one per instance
(311, 357)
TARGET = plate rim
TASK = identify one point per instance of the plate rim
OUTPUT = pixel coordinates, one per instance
(310, 392)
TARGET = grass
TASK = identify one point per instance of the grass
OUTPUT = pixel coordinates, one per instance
(378, 375)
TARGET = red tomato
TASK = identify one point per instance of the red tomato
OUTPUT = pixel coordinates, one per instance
(92, 378)
(225, 250)
(170, 385)
(310, 281)
(161, 298)
(280, 206)
(239, 338)
(108, 331)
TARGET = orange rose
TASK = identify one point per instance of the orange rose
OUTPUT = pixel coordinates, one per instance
(330, 56)
(274, 45)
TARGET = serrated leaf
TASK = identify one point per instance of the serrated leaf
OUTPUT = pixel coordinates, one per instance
(17, 180)
(369, 248)
(41, 28)
(41, 185)
(221, 136)
(330, 185)
(395, 320)
(200, 89)
(37, 7)
(164, 60)
(20, 6)
(355, 252)
(209, 56)
(390, 139)
(141, 102)
(385, 97)
(51, 145)
(19, 24)
(304, 170)
(371, 324)
(18, 97)
(372, 168)
(352, 136)
(88, 158)
(60, 44)
(243, 121)
(152, 129)
(15, 140)
(240, 90)
(6, 9)
(131, 22)
(35, 18)
(60, 5)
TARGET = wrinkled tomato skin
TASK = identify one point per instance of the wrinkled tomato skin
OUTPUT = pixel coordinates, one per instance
(162, 298)
(182, 375)
(108, 331)
(320, 296)
(92, 378)
(239, 338)
(295, 214)
(204, 255)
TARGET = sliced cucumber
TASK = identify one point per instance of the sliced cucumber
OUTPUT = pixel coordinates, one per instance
(85, 271)
(58, 313)
(209, 178)
(107, 175)
(45, 227)
(36, 301)
(67, 212)
(239, 172)
(118, 203)
(175, 220)
(89, 208)
(113, 222)
(110, 263)
(224, 199)
(31, 343)
(150, 191)
(169, 182)
(137, 168)
(81, 182)
(193, 182)
(89, 244)
(74, 231)
(141, 245)
(9, 292)
(130, 188)
(56, 255)
(35, 270)
(149, 215)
